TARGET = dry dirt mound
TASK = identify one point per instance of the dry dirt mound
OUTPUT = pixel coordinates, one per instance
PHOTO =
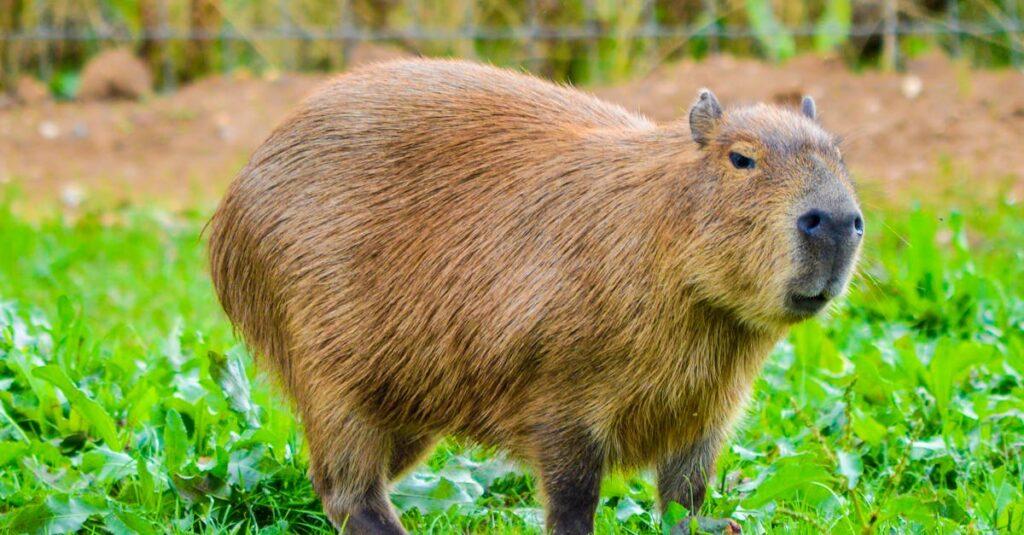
(31, 92)
(115, 74)
(186, 146)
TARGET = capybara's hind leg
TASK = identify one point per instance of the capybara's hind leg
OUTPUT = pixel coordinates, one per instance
(407, 450)
(348, 464)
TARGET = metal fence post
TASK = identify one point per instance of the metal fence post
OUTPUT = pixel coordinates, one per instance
(890, 39)
(43, 49)
(651, 33)
(164, 37)
(711, 8)
(1016, 37)
(591, 43)
(953, 24)
(227, 46)
(284, 28)
(347, 29)
(532, 59)
(469, 28)
(415, 29)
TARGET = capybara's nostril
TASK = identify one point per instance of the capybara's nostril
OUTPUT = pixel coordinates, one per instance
(824, 227)
(858, 225)
(811, 222)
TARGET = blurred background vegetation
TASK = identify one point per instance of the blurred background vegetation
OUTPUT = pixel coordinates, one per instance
(579, 40)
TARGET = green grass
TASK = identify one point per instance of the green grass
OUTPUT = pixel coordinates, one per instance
(128, 406)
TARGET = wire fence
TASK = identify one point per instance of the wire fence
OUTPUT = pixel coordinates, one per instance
(889, 24)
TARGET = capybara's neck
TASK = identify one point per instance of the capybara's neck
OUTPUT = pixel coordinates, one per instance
(652, 239)
(689, 378)
(646, 287)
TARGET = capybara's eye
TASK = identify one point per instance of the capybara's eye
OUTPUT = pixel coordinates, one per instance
(740, 161)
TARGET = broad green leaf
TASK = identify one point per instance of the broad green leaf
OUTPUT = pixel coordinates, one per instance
(187, 386)
(147, 488)
(244, 467)
(867, 428)
(141, 405)
(850, 467)
(533, 516)
(949, 365)
(108, 466)
(200, 488)
(11, 451)
(627, 508)
(28, 519)
(175, 440)
(58, 514)
(673, 515)
(792, 478)
(745, 453)
(438, 492)
(495, 467)
(229, 373)
(910, 508)
(99, 420)
(127, 523)
(928, 448)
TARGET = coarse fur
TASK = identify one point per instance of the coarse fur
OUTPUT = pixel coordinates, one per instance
(439, 247)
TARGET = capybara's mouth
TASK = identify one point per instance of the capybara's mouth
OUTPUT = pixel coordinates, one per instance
(807, 305)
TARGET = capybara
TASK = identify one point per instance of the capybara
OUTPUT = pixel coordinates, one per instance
(434, 247)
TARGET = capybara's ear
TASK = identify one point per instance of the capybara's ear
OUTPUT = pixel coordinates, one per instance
(704, 117)
(807, 108)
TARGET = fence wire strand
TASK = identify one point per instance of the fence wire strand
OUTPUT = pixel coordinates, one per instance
(347, 31)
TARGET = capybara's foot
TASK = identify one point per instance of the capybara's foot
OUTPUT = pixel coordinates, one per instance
(367, 521)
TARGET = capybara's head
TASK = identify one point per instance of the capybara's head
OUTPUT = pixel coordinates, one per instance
(783, 225)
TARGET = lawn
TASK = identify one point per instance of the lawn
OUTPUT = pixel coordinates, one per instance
(128, 405)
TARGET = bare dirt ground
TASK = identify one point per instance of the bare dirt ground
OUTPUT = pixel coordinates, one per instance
(184, 147)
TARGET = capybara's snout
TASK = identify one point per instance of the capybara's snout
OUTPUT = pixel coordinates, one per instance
(829, 242)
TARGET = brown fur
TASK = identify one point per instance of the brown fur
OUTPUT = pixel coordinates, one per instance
(434, 247)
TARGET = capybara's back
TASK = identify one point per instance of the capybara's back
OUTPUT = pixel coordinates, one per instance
(432, 247)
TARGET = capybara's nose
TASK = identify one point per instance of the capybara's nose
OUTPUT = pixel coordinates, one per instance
(836, 229)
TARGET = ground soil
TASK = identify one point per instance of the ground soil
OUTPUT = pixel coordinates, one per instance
(182, 148)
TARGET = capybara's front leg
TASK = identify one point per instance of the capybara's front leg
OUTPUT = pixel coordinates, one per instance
(571, 465)
(683, 477)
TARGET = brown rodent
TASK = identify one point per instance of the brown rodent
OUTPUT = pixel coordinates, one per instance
(438, 247)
